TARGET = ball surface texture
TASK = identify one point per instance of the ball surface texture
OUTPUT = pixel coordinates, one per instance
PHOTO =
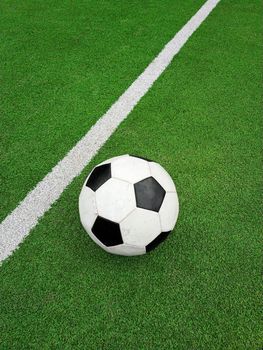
(128, 205)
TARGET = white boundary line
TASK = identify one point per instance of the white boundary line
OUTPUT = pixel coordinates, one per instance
(17, 225)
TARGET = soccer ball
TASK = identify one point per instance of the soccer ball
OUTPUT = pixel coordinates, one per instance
(128, 205)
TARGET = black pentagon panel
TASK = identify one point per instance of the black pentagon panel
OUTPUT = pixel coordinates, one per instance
(108, 232)
(159, 239)
(148, 160)
(99, 176)
(149, 194)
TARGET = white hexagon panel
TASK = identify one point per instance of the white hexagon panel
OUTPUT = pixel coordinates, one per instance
(115, 199)
(161, 175)
(141, 227)
(130, 168)
(128, 205)
(87, 207)
(169, 211)
(126, 250)
(88, 212)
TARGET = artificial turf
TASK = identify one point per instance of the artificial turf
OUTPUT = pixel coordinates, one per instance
(62, 67)
(201, 288)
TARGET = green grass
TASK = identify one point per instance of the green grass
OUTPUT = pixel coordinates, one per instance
(62, 67)
(201, 288)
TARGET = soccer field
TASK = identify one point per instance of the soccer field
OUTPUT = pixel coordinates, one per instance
(63, 65)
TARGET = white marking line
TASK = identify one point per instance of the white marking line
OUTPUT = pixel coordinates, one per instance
(17, 225)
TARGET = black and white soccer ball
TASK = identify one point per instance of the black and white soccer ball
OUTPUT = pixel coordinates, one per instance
(128, 205)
